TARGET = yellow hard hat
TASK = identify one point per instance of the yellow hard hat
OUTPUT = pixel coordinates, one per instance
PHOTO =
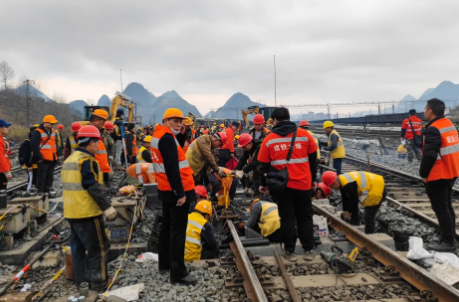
(204, 206)
(187, 121)
(36, 125)
(215, 123)
(50, 119)
(140, 128)
(222, 125)
(328, 124)
(101, 113)
(157, 125)
(236, 137)
(173, 113)
(147, 139)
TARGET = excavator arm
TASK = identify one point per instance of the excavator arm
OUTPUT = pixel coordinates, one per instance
(194, 119)
(122, 100)
(250, 110)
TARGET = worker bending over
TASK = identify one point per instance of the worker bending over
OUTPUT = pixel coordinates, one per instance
(143, 172)
(305, 125)
(200, 241)
(335, 145)
(259, 131)
(249, 160)
(144, 152)
(322, 191)
(98, 119)
(264, 218)
(71, 143)
(356, 188)
(411, 135)
(44, 150)
(85, 205)
(227, 150)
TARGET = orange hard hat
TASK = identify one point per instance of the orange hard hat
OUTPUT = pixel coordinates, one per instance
(324, 189)
(109, 126)
(101, 113)
(187, 121)
(204, 206)
(88, 131)
(304, 124)
(60, 126)
(222, 136)
(329, 177)
(201, 191)
(50, 119)
(244, 139)
(75, 127)
(173, 113)
(258, 119)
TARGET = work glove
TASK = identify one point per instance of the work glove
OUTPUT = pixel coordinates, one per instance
(110, 159)
(110, 214)
(222, 173)
(238, 174)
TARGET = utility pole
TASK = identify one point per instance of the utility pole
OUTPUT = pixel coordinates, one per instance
(27, 83)
(275, 83)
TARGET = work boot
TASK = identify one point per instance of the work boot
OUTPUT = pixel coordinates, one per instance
(289, 256)
(442, 247)
(309, 255)
(188, 280)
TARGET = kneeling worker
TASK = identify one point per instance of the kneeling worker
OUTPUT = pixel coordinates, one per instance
(200, 240)
(356, 187)
(84, 205)
(143, 172)
(264, 218)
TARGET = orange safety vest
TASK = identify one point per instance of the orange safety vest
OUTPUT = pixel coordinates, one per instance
(274, 151)
(417, 126)
(48, 148)
(193, 135)
(206, 131)
(102, 158)
(135, 149)
(447, 164)
(186, 173)
(143, 172)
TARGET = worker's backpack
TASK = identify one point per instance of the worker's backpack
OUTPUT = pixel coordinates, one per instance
(21, 154)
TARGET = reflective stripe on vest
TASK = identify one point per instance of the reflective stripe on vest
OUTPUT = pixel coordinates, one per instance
(370, 186)
(102, 158)
(269, 218)
(193, 245)
(339, 151)
(48, 147)
(140, 157)
(286, 140)
(73, 143)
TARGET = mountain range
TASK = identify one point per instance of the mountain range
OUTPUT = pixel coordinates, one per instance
(233, 107)
(34, 92)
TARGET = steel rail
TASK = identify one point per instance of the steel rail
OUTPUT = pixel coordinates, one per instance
(251, 283)
(409, 271)
(288, 281)
(22, 184)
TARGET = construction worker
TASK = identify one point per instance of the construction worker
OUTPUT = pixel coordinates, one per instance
(335, 146)
(249, 160)
(144, 152)
(205, 131)
(109, 142)
(131, 144)
(190, 134)
(259, 131)
(295, 200)
(213, 129)
(118, 135)
(227, 150)
(200, 240)
(85, 206)
(222, 128)
(5, 164)
(201, 193)
(439, 170)
(201, 153)
(143, 172)
(236, 139)
(60, 140)
(305, 125)
(322, 191)
(401, 150)
(269, 124)
(25, 156)
(356, 188)
(264, 218)
(176, 191)
(71, 143)
(239, 129)
(44, 150)
(411, 135)
(98, 119)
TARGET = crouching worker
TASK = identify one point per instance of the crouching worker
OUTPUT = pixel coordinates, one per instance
(200, 240)
(264, 218)
(322, 191)
(85, 205)
(356, 187)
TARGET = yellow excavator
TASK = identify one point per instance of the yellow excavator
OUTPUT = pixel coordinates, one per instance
(245, 113)
(120, 99)
(194, 119)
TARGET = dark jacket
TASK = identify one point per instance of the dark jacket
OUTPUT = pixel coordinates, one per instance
(431, 149)
(168, 149)
(284, 128)
(35, 141)
(251, 155)
(334, 142)
(208, 237)
(116, 135)
(27, 151)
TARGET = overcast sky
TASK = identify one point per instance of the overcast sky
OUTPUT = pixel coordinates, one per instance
(326, 51)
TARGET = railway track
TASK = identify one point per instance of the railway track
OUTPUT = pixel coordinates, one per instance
(369, 134)
(20, 185)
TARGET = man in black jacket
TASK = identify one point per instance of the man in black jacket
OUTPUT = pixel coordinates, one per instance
(439, 170)
(249, 160)
(26, 156)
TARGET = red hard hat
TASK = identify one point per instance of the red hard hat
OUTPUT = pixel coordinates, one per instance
(222, 136)
(324, 189)
(88, 131)
(329, 177)
(304, 123)
(244, 139)
(258, 119)
(200, 191)
(109, 126)
(75, 127)
(60, 126)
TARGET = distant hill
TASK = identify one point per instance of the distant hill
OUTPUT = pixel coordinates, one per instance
(104, 101)
(77, 107)
(22, 90)
(233, 107)
(171, 99)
